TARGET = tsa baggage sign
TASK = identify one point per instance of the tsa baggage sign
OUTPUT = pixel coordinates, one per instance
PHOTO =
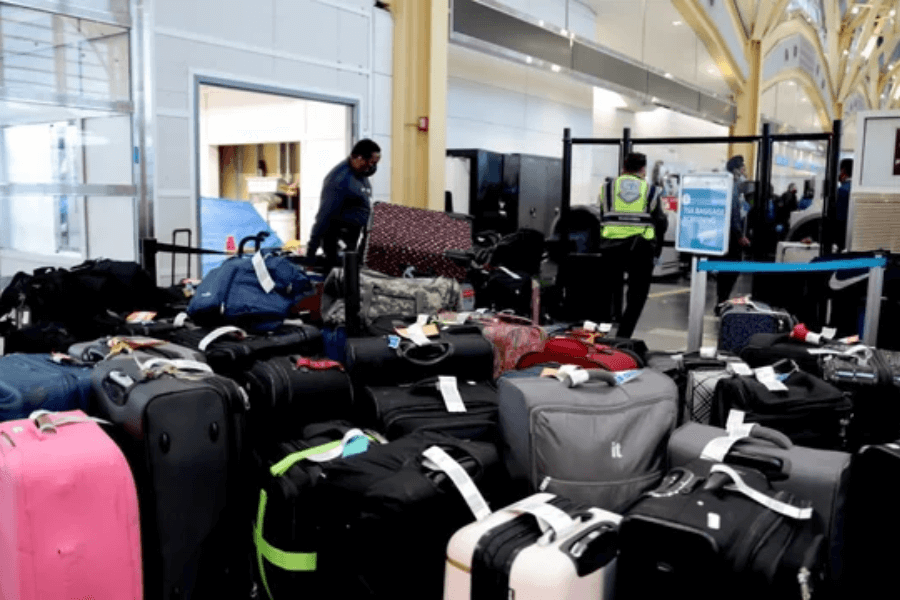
(704, 213)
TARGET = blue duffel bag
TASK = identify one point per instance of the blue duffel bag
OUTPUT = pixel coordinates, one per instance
(30, 382)
(254, 292)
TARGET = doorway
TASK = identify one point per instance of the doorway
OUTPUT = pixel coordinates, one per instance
(262, 157)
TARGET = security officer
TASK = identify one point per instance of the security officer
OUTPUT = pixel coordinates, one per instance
(631, 239)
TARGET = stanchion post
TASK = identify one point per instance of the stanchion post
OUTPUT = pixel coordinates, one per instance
(873, 306)
(829, 202)
(697, 306)
(351, 293)
(148, 257)
(566, 198)
(626, 148)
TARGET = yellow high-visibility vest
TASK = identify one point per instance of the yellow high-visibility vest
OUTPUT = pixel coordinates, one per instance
(630, 195)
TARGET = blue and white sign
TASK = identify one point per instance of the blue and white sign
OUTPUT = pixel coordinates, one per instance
(704, 213)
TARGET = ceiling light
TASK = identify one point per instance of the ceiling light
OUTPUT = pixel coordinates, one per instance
(846, 52)
(668, 76)
(712, 71)
(897, 93)
(893, 12)
(529, 60)
(541, 23)
(677, 23)
(564, 32)
(556, 68)
(854, 10)
(867, 51)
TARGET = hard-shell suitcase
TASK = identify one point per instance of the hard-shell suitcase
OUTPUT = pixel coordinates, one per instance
(796, 252)
(401, 238)
(596, 444)
(288, 393)
(69, 525)
(811, 412)
(145, 347)
(396, 411)
(182, 432)
(458, 350)
(230, 350)
(739, 321)
(821, 476)
(30, 382)
(712, 531)
(540, 547)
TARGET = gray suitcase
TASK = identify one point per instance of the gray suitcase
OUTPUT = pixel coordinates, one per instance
(595, 444)
(819, 476)
(144, 347)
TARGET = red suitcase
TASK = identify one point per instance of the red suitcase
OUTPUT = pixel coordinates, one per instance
(571, 351)
(401, 237)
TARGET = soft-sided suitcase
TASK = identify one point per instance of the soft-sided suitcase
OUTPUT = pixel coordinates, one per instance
(811, 412)
(699, 536)
(182, 432)
(69, 525)
(402, 240)
(399, 496)
(396, 411)
(872, 524)
(97, 350)
(572, 351)
(739, 321)
(596, 444)
(458, 350)
(768, 348)
(30, 382)
(288, 393)
(821, 476)
(230, 350)
(541, 547)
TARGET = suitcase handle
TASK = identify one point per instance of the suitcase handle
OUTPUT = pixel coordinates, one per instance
(719, 476)
(409, 351)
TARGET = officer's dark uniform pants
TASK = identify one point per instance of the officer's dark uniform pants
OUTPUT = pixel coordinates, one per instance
(725, 281)
(633, 256)
(347, 233)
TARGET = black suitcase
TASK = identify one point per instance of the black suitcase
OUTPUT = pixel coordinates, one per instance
(377, 523)
(872, 379)
(287, 393)
(182, 433)
(458, 350)
(768, 348)
(236, 351)
(399, 410)
(811, 412)
(696, 537)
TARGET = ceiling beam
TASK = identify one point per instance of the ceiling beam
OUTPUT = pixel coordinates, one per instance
(809, 86)
(775, 13)
(859, 63)
(798, 25)
(695, 16)
(832, 39)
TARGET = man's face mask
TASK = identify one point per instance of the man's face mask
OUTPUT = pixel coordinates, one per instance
(370, 170)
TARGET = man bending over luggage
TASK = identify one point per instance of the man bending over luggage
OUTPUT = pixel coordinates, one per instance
(346, 202)
(631, 239)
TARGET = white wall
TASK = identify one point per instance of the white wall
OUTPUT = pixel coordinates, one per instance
(342, 49)
(498, 105)
(576, 16)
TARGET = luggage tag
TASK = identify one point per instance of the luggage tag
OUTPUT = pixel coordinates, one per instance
(708, 352)
(450, 393)
(767, 377)
(739, 368)
(262, 273)
(419, 333)
(828, 333)
(141, 316)
(623, 377)
(393, 341)
(438, 460)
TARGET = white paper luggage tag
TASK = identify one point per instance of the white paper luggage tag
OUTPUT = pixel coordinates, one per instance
(767, 377)
(708, 352)
(450, 394)
(739, 368)
(549, 517)
(782, 508)
(262, 273)
(717, 449)
(510, 273)
(828, 333)
(439, 460)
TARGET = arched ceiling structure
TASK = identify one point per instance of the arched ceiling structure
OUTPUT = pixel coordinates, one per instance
(845, 54)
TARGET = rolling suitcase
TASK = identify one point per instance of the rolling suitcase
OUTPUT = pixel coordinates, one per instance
(741, 318)
(768, 348)
(387, 360)
(30, 382)
(572, 351)
(540, 547)
(182, 431)
(711, 531)
(97, 350)
(66, 532)
(288, 393)
(796, 252)
(403, 241)
(810, 412)
(821, 476)
(229, 350)
(597, 444)
(396, 411)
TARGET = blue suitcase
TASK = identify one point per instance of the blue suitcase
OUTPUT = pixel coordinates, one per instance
(738, 322)
(30, 382)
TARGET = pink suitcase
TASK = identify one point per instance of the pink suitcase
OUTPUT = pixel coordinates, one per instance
(69, 524)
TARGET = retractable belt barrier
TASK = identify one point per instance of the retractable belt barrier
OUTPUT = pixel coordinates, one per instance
(701, 266)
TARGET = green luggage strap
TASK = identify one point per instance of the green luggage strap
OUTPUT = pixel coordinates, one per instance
(292, 561)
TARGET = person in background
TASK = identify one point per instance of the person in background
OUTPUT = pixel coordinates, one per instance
(842, 204)
(737, 239)
(345, 202)
(784, 206)
(631, 239)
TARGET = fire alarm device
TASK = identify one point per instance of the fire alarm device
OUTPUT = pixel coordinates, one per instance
(423, 123)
